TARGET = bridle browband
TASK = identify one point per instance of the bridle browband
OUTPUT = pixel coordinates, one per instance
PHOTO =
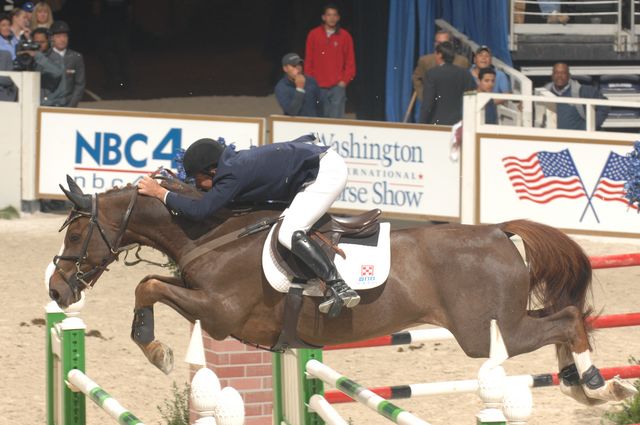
(88, 279)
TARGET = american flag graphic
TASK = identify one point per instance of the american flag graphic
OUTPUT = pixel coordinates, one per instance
(610, 185)
(545, 176)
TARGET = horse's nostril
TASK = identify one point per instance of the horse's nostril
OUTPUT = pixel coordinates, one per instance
(54, 295)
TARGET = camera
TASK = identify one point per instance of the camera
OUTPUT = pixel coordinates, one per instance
(26, 45)
(24, 62)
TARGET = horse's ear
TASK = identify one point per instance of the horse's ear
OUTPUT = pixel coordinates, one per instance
(81, 201)
(73, 186)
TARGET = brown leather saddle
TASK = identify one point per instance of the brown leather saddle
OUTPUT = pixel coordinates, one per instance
(328, 232)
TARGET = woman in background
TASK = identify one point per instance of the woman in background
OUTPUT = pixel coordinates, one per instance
(42, 16)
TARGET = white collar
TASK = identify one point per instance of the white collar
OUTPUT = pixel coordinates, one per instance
(60, 52)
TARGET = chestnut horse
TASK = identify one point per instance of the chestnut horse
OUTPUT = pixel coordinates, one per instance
(456, 276)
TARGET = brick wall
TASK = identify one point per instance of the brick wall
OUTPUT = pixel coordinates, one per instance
(246, 369)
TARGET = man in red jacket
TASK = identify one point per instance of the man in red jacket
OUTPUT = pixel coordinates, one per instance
(330, 60)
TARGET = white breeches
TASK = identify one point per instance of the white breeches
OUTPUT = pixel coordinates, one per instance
(315, 199)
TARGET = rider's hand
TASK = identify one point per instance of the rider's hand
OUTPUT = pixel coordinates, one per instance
(150, 187)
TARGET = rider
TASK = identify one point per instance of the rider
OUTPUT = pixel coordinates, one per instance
(303, 173)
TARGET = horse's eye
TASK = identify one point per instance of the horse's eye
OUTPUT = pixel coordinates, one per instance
(74, 237)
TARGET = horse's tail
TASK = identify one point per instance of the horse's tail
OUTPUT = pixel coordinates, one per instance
(559, 270)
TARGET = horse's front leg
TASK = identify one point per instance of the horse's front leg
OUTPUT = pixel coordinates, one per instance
(142, 328)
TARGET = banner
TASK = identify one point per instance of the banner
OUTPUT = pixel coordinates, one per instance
(403, 169)
(568, 184)
(103, 149)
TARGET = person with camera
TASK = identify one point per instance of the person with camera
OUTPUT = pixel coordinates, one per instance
(37, 56)
(72, 62)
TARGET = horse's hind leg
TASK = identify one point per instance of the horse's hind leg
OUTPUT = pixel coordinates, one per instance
(142, 328)
(580, 379)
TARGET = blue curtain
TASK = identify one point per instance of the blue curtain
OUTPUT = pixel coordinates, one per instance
(400, 57)
(483, 21)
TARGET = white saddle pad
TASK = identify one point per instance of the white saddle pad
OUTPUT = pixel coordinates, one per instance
(365, 267)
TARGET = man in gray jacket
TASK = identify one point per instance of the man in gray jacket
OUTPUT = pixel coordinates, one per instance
(72, 61)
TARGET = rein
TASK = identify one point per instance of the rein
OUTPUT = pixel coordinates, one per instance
(88, 279)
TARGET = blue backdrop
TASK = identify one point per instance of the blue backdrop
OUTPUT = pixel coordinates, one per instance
(411, 30)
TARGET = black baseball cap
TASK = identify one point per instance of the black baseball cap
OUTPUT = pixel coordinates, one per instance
(483, 48)
(59, 27)
(291, 59)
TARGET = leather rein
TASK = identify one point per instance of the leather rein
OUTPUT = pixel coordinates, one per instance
(89, 278)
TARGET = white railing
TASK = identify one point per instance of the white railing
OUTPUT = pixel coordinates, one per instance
(548, 102)
(624, 41)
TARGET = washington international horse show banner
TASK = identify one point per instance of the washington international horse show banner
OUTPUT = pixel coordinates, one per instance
(103, 149)
(574, 185)
(403, 169)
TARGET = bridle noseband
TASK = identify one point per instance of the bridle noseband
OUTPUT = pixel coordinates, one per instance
(89, 278)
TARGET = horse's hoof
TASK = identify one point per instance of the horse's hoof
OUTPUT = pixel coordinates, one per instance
(161, 356)
(614, 390)
(577, 393)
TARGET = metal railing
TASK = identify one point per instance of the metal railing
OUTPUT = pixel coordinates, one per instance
(625, 38)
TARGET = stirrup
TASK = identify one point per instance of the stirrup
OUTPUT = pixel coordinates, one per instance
(341, 295)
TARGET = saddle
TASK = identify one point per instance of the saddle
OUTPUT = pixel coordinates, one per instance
(328, 231)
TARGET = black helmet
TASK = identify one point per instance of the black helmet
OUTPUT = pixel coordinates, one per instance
(59, 27)
(202, 154)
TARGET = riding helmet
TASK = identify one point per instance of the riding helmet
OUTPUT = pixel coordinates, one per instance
(201, 155)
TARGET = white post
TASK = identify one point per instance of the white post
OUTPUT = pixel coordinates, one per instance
(30, 101)
(468, 196)
(492, 379)
(325, 410)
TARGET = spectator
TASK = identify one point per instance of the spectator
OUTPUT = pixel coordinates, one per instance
(486, 82)
(330, 60)
(51, 68)
(296, 94)
(8, 90)
(20, 24)
(27, 7)
(427, 62)
(7, 40)
(482, 59)
(73, 63)
(444, 87)
(42, 16)
(573, 117)
(552, 12)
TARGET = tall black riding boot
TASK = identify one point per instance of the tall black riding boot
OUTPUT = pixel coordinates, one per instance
(312, 254)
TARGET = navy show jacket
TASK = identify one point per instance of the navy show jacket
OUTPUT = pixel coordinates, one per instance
(273, 172)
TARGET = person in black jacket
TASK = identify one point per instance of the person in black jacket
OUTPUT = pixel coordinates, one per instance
(308, 176)
(444, 87)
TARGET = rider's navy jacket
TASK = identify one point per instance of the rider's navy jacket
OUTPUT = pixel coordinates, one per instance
(273, 172)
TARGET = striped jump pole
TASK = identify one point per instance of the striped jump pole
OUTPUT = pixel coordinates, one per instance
(471, 385)
(614, 261)
(441, 334)
(84, 384)
(361, 394)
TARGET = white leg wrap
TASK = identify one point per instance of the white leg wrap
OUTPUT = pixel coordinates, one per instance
(583, 361)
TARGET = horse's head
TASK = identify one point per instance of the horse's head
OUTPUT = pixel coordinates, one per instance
(88, 248)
